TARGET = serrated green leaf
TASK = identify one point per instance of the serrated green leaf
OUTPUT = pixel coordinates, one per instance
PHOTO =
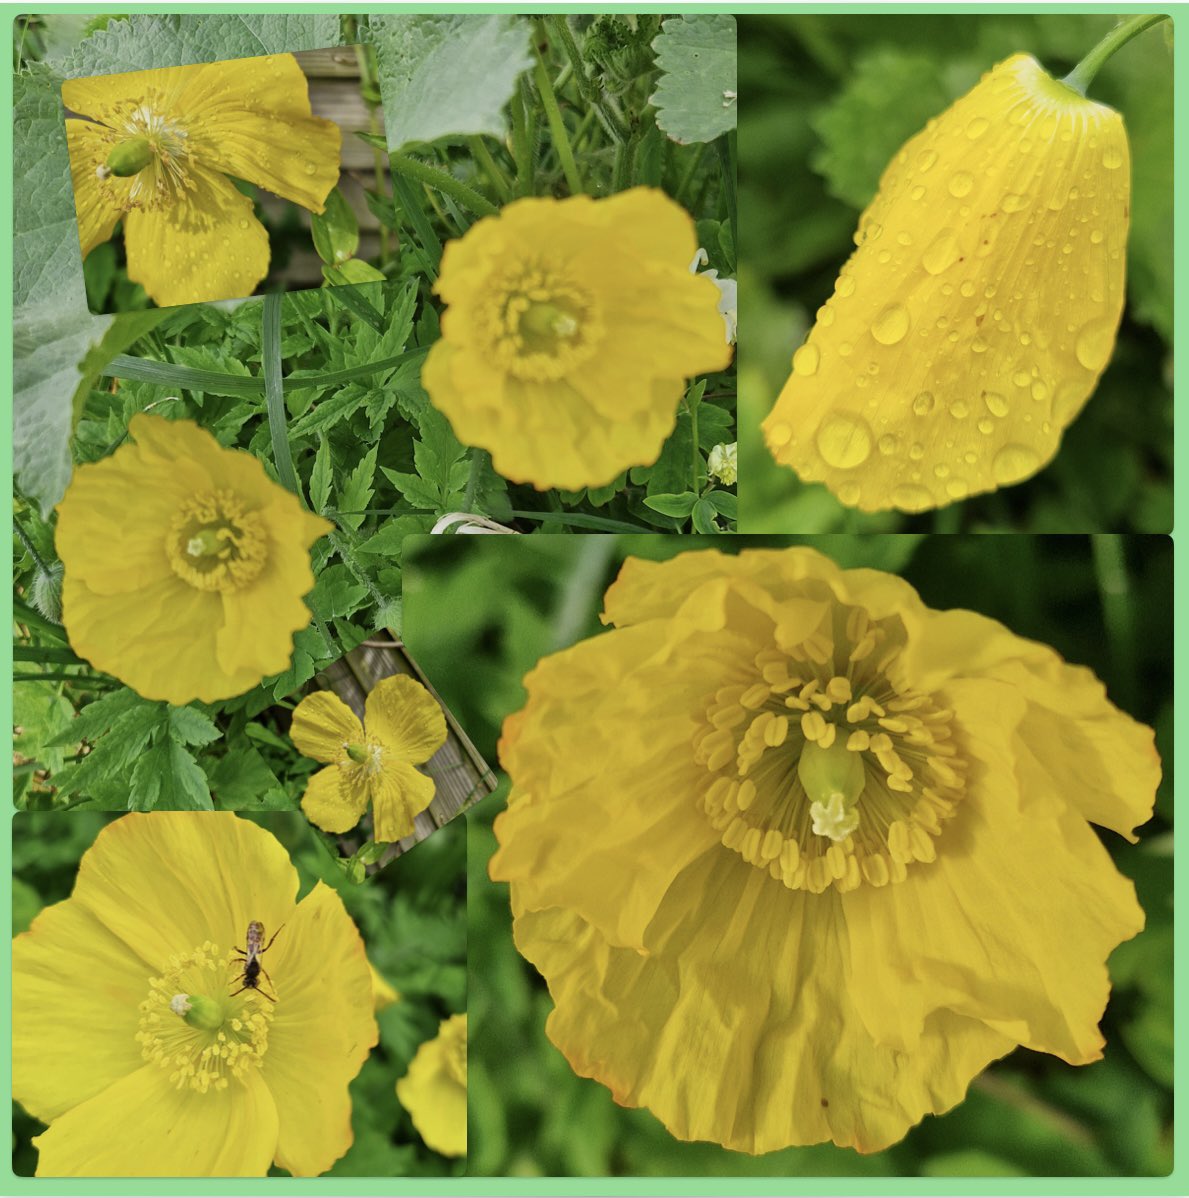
(242, 779)
(447, 74)
(357, 491)
(336, 593)
(188, 726)
(167, 778)
(696, 97)
(415, 489)
(678, 506)
(99, 717)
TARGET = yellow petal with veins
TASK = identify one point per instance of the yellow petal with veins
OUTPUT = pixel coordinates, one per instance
(975, 317)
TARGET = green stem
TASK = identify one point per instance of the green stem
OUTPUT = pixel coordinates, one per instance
(479, 459)
(499, 180)
(82, 679)
(557, 126)
(727, 159)
(441, 181)
(367, 71)
(591, 93)
(30, 548)
(522, 149)
(274, 394)
(1083, 74)
(46, 653)
(697, 456)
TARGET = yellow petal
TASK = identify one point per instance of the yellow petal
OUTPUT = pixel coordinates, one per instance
(741, 1028)
(399, 793)
(1013, 922)
(322, 725)
(251, 119)
(321, 1033)
(405, 718)
(978, 311)
(207, 245)
(70, 1039)
(89, 145)
(331, 803)
(434, 1093)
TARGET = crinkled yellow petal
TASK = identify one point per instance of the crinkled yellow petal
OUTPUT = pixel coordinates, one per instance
(321, 1033)
(322, 725)
(400, 792)
(331, 802)
(142, 1126)
(736, 1024)
(207, 245)
(251, 118)
(108, 98)
(982, 944)
(405, 718)
(978, 311)
(70, 1041)
(88, 145)
(434, 1096)
(635, 325)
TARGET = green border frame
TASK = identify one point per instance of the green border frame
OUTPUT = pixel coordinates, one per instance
(1176, 1183)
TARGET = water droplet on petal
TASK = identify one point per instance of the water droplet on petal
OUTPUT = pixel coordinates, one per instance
(926, 160)
(962, 184)
(912, 499)
(923, 404)
(1013, 203)
(849, 494)
(956, 489)
(1112, 158)
(890, 325)
(916, 451)
(845, 286)
(942, 252)
(1094, 344)
(1039, 391)
(310, 168)
(986, 427)
(805, 360)
(977, 128)
(1014, 462)
(995, 402)
(889, 443)
(780, 434)
(959, 409)
(844, 441)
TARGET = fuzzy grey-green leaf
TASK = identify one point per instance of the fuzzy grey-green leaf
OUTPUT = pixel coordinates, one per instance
(697, 96)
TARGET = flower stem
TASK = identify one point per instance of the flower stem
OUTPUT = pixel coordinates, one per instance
(560, 26)
(491, 168)
(441, 181)
(366, 58)
(479, 459)
(557, 126)
(1083, 74)
(30, 548)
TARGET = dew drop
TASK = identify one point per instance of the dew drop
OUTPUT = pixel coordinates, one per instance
(310, 168)
(845, 349)
(967, 289)
(970, 457)
(849, 494)
(912, 499)
(1014, 462)
(1067, 400)
(986, 427)
(1013, 203)
(1021, 378)
(926, 160)
(243, 224)
(916, 451)
(845, 286)
(1112, 158)
(962, 184)
(1096, 237)
(923, 404)
(806, 359)
(780, 434)
(995, 402)
(956, 489)
(959, 409)
(918, 192)
(977, 128)
(1094, 344)
(890, 325)
(1039, 391)
(888, 444)
(844, 441)
(942, 252)
(941, 470)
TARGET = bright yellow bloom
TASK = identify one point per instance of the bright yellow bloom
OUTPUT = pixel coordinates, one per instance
(572, 328)
(129, 1039)
(434, 1091)
(156, 152)
(798, 856)
(370, 762)
(185, 564)
(974, 319)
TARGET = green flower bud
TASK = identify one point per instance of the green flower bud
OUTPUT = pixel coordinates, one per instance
(198, 1011)
(130, 157)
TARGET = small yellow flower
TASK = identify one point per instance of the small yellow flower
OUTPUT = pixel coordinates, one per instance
(798, 856)
(980, 308)
(129, 1039)
(156, 153)
(185, 564)
(571, 329)
(434, 1091)
(370, 762)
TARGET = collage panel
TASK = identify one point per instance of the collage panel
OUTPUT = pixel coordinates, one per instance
(793, 869)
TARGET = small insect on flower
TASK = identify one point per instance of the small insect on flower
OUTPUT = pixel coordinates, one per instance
(250, 976)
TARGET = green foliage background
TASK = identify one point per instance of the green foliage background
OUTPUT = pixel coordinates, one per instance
(412, 916)
(829, 100)
(1104, 602)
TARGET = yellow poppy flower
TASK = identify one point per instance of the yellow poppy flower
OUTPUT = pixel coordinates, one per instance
(980, 308)
(129, 1036)
(798, 856)
(185, 564)
(434, 1091)
(370, 762)
(156, 153)
(571, 330)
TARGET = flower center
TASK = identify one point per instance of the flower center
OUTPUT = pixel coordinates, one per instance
(363, 763)
(215, 545)
(147, 147)
(538, 326)
(196, 1028)
(829, 768)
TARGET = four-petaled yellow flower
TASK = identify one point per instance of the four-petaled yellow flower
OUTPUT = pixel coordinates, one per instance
(374, 761)
(975, 317)
(571, 330)
(129, 1039)
(156, 152)
(434, 1091)
(185, 564)
(799, 856)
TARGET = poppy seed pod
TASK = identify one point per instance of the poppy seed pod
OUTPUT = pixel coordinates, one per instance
(979, 309)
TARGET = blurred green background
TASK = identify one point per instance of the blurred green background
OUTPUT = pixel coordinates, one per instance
(1104, 602)
(411, 916)
(829, 100)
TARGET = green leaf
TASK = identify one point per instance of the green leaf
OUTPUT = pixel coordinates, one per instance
(447, 74)
(726, 503)
(357, 491)
(678, 506)
(320, 477)
(335, 231)
(351, 273)
(241, 779)
(188, 726)
(703, 517)
(415, 489)
(696, 95)
(167, 778)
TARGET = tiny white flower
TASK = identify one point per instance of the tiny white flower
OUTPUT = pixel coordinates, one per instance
(723, 463)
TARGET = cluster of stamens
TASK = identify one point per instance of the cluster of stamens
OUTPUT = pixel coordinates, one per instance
(227, 1046)
(149, 150)
(828, 768)
(215, 545)
(361, 763)
(539, 328)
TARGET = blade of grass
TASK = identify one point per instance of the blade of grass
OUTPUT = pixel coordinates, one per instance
(274, 395)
